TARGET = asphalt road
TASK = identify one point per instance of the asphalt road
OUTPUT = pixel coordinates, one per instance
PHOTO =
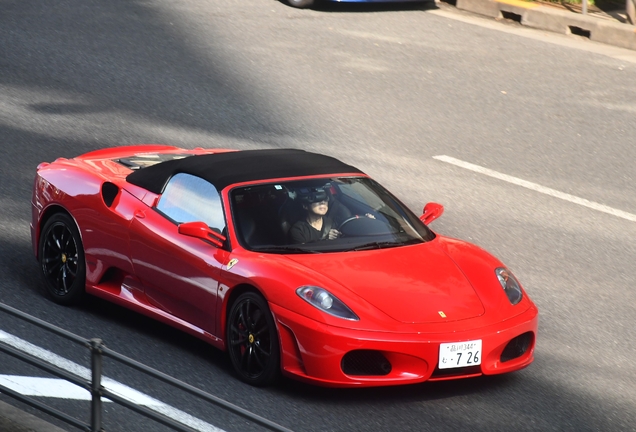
(385, 89)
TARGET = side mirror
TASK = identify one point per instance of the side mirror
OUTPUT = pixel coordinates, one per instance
(431, 212)
(202, 231)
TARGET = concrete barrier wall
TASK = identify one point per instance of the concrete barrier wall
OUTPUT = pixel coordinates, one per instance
(555, 20)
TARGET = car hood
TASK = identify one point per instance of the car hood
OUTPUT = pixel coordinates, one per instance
(411, 284)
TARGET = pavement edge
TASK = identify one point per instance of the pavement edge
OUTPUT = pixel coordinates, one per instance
(13, 419)
(554, 20)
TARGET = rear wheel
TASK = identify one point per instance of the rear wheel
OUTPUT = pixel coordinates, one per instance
(62, 262)
(252, 340)
(300, 3)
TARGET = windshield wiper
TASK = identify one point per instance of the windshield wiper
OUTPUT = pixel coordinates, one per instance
(374, 245)
(382, 245)
(289, 249)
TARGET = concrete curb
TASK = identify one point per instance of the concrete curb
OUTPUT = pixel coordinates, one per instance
(13, 419)
(552, 19)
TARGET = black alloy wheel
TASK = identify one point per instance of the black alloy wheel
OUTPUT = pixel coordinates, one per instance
(62, 262)
(252, 340)
(300, 3)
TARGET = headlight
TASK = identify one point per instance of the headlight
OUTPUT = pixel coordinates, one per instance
(509, 284)
(325, 301)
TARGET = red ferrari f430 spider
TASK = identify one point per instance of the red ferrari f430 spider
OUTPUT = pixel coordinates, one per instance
(292, 262)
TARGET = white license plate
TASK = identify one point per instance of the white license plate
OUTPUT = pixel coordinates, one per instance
(460, 354)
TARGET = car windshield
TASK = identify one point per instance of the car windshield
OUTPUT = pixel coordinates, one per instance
(323, 215)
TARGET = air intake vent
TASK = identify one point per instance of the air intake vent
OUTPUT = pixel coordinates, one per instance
(109, 193)
(365, 362)
(517, 347)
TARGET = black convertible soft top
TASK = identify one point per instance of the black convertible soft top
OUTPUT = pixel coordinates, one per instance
(224, 169)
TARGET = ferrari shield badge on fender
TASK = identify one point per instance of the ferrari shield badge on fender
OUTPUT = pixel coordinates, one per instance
(442, 314)
(232, 262)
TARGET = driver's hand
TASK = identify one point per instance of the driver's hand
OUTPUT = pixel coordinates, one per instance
(334, 233)
(370, 215)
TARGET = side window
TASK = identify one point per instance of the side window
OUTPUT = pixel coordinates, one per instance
(188, 199)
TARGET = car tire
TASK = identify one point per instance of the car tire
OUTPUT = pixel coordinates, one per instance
(301, 4)
(252, 340)
(61, 257)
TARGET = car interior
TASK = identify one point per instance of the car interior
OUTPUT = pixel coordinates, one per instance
(264, 214)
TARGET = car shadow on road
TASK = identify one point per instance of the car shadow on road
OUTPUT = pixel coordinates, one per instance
(337, 7)
(487, 403)
(404, 393)
(153, 335)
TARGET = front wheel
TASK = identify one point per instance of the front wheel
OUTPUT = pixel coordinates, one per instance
(300, 3)
(252, 340)
(62, 262)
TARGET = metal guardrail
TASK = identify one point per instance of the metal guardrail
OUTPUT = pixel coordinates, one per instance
(98, 350)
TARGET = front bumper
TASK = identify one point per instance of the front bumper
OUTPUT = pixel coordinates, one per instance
(314, 352)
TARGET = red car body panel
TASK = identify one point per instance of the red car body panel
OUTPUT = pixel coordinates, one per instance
(409, 299)
(408, 284)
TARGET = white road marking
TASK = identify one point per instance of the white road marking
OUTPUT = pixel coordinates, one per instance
(538, 188)
(120, 389)
(45, 387)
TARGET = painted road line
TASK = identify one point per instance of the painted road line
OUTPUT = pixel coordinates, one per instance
(120, 389)
(45, 387)
(537, 188)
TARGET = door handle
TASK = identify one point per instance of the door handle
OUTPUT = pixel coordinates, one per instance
(140, 214)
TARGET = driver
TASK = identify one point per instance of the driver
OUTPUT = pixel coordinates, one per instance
(315, 225)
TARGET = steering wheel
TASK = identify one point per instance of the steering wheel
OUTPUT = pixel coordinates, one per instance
(346, 221)
(364, 226)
